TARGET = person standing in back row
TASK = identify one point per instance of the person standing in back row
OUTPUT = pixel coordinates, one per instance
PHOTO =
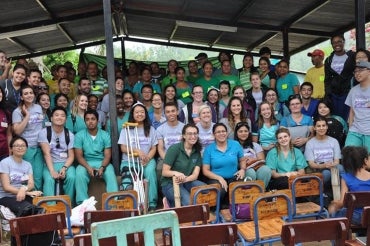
(339, 68)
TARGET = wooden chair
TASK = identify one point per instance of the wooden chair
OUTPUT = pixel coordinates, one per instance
(352, 201)
(365, 223)
(306, 186)
(188, 216)
(119, 200)
(146, 223)
(38, 224)
(209, 194)
(315, 230)
(84, 240)
(212, 234)
(240, 193)
(61, 203)
(267, 212)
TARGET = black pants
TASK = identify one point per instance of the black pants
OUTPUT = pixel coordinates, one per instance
(15, 206)
(279, 183)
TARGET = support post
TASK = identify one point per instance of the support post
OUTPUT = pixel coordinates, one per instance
(360, 24)
(111, 81)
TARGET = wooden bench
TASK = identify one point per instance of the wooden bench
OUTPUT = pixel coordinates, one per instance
(353, 200)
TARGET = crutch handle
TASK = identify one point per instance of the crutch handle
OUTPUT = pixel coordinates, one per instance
(134, 154)
(129, 124)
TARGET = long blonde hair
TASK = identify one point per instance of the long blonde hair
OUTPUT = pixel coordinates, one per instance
(76, 101)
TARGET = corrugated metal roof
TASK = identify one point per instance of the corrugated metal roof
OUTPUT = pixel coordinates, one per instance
(258, 23)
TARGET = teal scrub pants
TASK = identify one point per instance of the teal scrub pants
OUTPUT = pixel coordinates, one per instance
(150, 174)
(68, 183)
(36, 158)
(358, 139)
(83, 180)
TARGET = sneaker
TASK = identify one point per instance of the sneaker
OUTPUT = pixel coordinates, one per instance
(151, 210)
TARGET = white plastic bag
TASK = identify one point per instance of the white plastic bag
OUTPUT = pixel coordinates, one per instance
(77, 217)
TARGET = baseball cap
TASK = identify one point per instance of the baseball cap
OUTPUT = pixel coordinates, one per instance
(316, 52)
(201, 55)
(364, 64)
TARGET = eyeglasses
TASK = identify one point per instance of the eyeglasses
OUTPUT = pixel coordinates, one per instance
(191, 134)
(359, 70)
(20, 146)
(42, 87)
(58, 143)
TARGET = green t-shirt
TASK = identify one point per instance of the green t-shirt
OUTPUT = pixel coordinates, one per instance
(234, 80)
(179, 161)
(206, 84)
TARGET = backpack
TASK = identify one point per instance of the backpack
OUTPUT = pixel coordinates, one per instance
(66, 134)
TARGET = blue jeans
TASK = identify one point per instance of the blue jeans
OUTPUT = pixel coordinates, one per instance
(185, 189)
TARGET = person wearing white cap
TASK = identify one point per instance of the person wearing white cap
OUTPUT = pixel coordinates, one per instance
(316, 74)
(358, 100)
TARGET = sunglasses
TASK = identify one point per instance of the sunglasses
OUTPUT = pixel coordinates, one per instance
(43, 87)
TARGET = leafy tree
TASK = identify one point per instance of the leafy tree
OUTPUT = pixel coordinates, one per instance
(59, 58)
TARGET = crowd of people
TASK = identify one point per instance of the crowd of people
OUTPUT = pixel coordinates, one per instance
(207, 126)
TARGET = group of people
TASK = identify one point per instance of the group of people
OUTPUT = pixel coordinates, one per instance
(209, 126)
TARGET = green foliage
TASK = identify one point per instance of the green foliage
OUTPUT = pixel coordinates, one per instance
(59, 58)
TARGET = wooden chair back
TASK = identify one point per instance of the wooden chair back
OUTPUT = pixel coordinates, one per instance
(52, 204)
(352, 201)
(270, 205)
(240, 192)
(315, 230)
(308, 185)
(104, 215)
(146, 223)
(38, 224)
(198, 213)
(209, 194)
(212, 234)
(61, 203)
(366, 222)
(84, 240)
(188, 215)
(119, 200)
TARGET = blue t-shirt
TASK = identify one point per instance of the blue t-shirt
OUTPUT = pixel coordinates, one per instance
(224, 164)
(285, 85)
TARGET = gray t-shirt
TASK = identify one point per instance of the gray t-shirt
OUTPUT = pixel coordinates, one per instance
(145, 143)
(18, 174)
(34, 124)
(205, 135)
(359, 100)
(249, 152)
(57, 154)
(322, 150)
(170, 134)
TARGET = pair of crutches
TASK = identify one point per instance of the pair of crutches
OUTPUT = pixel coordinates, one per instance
(134, 165)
